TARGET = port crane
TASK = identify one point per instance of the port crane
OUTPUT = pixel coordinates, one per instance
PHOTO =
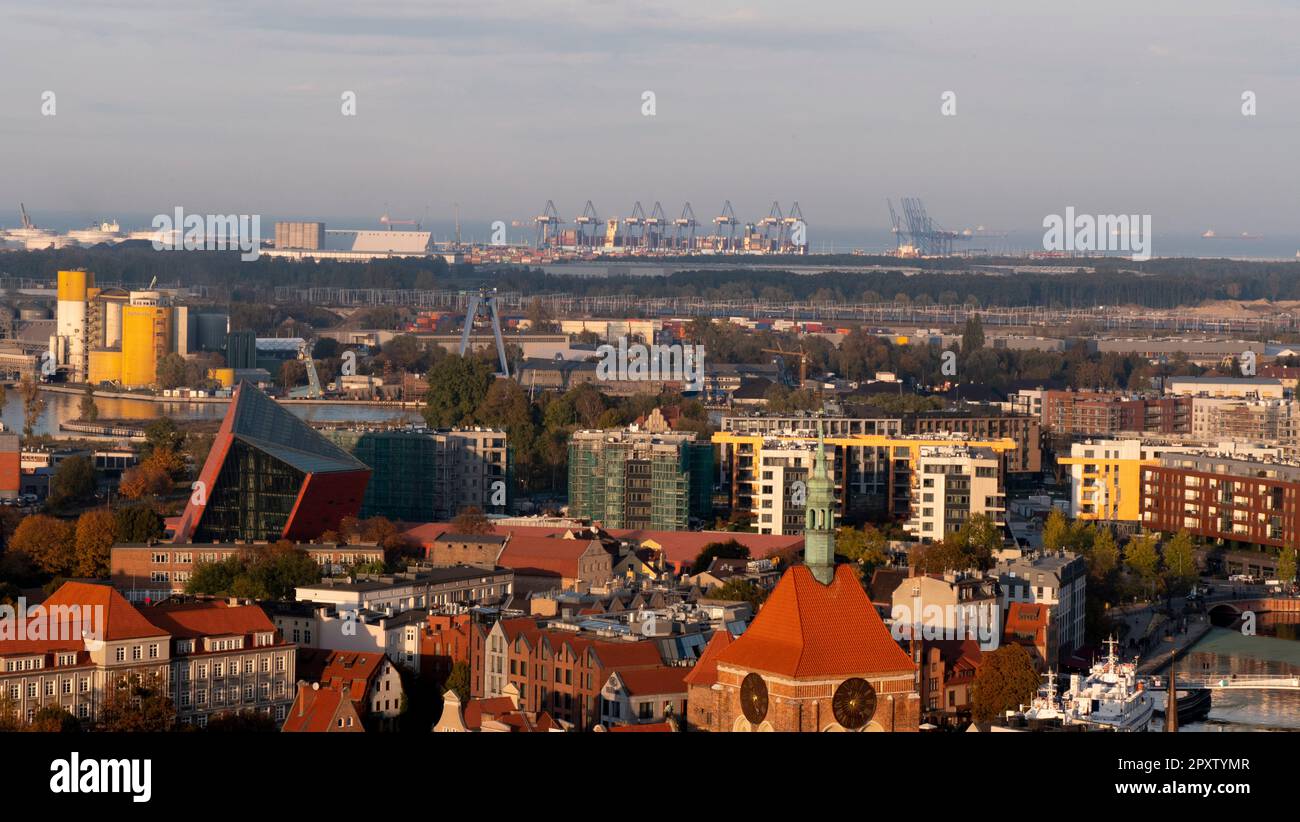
(686, 223)
(727, 218)
(548, 226)
(588, 218)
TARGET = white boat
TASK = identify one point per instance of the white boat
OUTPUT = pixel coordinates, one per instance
(1110, 698)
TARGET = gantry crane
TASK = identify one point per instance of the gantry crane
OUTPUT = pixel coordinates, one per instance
(727, 218)
(687, 222)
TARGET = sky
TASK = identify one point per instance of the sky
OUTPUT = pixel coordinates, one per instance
(236, 107)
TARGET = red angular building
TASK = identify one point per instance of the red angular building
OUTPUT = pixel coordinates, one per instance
(270, 476)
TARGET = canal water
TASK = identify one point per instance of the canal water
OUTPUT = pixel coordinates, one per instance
(1273, 651)
(60, 407)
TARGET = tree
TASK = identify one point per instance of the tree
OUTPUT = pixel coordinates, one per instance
(1141, 559)
(53, 719)
(458, 680)
(472, 520)
(1180, 563)
(731, 549)
(866, 546)
(50, 542)
(972, 339)
(1286, 565)
(143, 480)
(95, 534)
(74, 480)
(1104, 556)
(539, 317)
(136, 702)
(1056, 531)
(171, 371)
(457, 386)
(738, 589)
(89, 410)
(245, 721)
(1004, 680)
(162, 433)
(33, 405)
(138, 523)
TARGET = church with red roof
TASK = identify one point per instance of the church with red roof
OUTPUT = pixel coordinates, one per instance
(817, 656)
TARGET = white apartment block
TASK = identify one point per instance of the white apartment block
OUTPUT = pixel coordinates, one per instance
(950, 485)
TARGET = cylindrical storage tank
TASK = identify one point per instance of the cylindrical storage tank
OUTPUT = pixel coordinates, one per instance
(71, 319)
(112, 323)
(225, 376)
(105, 366)
(146, 339)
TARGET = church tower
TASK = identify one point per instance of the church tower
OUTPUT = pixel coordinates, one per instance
(819, 518)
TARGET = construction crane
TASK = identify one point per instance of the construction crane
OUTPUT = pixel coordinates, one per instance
(803, 361)
(685, 222)
(588, 218)
(548, 226)
(27, 221)
(636, 225)
(727, 218)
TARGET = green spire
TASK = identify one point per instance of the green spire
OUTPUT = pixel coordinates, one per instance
(819, 518)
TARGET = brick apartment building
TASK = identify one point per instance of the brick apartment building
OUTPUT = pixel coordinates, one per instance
(555, 671)
(1253, 502)
(1093, 413)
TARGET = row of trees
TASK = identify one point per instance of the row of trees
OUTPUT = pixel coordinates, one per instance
(77, 548)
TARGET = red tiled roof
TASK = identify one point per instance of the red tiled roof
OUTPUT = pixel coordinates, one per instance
(313, 710)
(558, 556)
(121, 619)
(654, 681)
(491, 708)
(201, 619)
(1026, 618)
(806, 629)
(705, 671)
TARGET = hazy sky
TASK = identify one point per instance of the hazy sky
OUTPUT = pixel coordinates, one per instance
(1112, 107)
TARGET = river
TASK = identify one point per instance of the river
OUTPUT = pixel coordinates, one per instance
(1273, 651)
(60, 407)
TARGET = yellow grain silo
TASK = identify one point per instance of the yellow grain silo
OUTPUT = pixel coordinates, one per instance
(105, 365)
(146, 339)
(225, 376)
(71, 320)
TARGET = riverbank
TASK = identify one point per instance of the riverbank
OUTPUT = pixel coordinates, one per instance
(1169, 652)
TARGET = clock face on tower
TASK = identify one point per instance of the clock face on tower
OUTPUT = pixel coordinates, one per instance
(854, 703)
(753, 698)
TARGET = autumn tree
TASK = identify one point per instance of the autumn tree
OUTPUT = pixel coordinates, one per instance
(739, 589)
(1180, 572)
(1056, 531)
(50, 542)
(866, 546)
(33, 405)
(95, 534)
(1004, 680)
(471, 520)
(74, 480)
(1142, 560)
(138, 523)
(136, 702)
(458, 680)
(89, 410)
(1286, 565)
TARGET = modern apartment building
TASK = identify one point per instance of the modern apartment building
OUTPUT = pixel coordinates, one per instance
(1257, 388)
(633, 478)
(1106, 475)
(977, 424)
(949, 485)
(1231, 418)
(872, 473)
(1059, 581)
(423, 475)
(1221, 496)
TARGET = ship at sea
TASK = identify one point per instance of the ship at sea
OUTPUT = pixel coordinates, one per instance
(1245, 235)
(1109, 698)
